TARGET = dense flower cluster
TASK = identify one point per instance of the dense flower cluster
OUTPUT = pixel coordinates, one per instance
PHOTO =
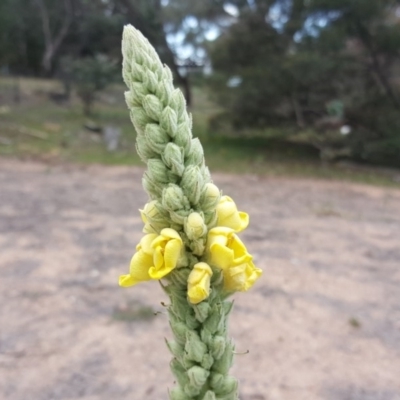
(158, 255)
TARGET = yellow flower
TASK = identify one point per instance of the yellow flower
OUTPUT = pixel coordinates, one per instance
(241, 277)
(199, 282)
(167, 250)
(229, 216)
(141, 262)
(226, 251)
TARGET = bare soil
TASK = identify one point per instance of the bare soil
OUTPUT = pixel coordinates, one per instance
(323, 322)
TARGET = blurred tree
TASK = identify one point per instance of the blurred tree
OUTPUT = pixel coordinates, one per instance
(283, 64)
(90, 75)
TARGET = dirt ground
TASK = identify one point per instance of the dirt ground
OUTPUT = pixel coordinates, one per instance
(322, 323)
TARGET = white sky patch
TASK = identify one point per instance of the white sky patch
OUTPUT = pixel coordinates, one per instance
(234, 81)
(231, 9)
(212, 34)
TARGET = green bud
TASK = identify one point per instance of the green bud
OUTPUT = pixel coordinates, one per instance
(191, 390)
(175, 348)
(167, 74)
(194, 347)
(192, 184)
(206, 173)
(143, 149)
(210, 219)
(150, 81)
(183, 137)
(198, 246)
(152, 106)
(173, 158)
(201, 310)
(179, 330)
(209, 197)
(215, 321)
(225, 362)
(209, 396)
(179, 372)
(178, 394)
(196, 154)
(157, 170)
(227, 386)
(194, 226)
(169, 121)
(198, 376)
(207, 361)
(163, 91)
(206, 336)
(153, 188)
(218, 346)
(137, 72)
(191, 321)
(173, 198)
(179, 216)
(139, 119)
(178, 102)
(156, 137)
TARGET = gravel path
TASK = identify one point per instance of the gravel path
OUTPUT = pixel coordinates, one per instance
(322, 323)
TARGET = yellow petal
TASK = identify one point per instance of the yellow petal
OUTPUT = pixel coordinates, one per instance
(145, 243)
(139, 267)
(252, 275)
(170, 234)
(229, 216)
(220, 256)
(234, 278)
(171, 254)
(126, 281)
(158, 257)
(240, 253)
(199, 283)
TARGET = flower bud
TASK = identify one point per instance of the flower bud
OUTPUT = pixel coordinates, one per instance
(226, 387)
(163, 91)
(173, 158)
(194, 226)
(210, 395)
(192, 184)
(156, 137)
(152, 188)
(157, 170)
(183, 137)
(207, 361)
(198, 376)
(173, 198)
(218, 346)
(150, 81)
(194, 347)
(175, 348)
(167, 74)
(177, 102)
(143, 149)
(210, 197)
(178, 393)
(152, 106)
(137, 72)
(139, 119)
(199, 282)
(179, 372)
(196, 154)
(179, 330)
(225, 362)
(169, 121)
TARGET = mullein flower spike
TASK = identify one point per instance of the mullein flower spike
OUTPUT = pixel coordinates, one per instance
(190, 239)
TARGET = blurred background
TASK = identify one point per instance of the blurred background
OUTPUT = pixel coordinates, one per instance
(297, 104)
(288, 86)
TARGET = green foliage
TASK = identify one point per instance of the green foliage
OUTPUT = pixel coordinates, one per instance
(90, 75)
(293, 80)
